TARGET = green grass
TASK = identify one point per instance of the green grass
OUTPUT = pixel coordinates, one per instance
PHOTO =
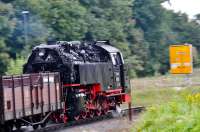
(177, 114)
(151, 96)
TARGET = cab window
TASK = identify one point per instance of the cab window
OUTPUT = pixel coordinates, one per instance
(116, 60)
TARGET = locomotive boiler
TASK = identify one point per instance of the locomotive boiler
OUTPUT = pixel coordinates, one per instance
(64, 81)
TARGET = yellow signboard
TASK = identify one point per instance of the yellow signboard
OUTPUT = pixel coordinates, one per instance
(181, 59)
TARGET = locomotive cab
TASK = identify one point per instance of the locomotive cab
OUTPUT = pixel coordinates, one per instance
(117, 63)
(118, 69)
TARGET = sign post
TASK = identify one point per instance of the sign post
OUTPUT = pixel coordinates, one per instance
(181, 61)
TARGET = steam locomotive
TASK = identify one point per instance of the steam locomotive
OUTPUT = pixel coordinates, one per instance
(64, 81)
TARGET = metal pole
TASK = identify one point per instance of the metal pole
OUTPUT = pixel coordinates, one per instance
(130, 102)
(25, 14)
(129, 111)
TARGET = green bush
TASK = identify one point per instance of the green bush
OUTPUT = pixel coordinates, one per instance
(15, 66)
(180, 115)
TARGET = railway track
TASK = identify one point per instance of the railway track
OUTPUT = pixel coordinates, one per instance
(55, 127)
(137, 109)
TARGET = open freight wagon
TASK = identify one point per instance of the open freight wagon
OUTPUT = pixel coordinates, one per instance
(28, 95)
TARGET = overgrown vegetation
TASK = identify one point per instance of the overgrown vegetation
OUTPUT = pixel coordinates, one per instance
(178, 115)
(161, 89)
(142, 29)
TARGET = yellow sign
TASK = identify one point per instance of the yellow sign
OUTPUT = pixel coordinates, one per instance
(181, 59)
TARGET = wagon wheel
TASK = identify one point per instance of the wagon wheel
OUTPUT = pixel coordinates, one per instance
(35, 120)
(2, 129)
(8, 127)
(18, 125)
(43, 124)
(35, 126)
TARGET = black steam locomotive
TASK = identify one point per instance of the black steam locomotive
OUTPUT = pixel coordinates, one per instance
(79, 62)
(65, 81)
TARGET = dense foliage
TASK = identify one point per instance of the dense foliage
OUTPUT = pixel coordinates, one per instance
(142, 29)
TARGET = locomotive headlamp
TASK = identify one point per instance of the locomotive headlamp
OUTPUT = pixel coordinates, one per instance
(41, 53)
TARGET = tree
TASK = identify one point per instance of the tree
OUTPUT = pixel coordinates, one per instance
(6, 28)
(155, 22)
(66, 19)
(15, 66)
(112, 20)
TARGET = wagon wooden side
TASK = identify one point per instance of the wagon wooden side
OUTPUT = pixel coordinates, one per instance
(29, 94)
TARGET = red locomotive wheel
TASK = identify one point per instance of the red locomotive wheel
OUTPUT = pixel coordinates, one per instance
(98, 112)
(91, 113)
(77, 117)
(105, 111)
(105, 107)
(55, 118)
(65, 118)
(84, 115)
